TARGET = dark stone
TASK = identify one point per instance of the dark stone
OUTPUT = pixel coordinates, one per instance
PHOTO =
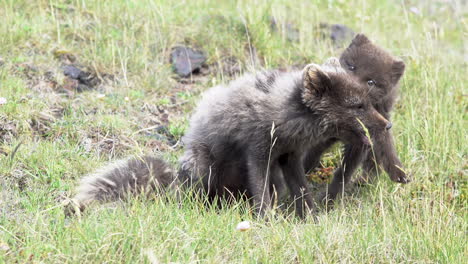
(186, 60)
(338, 33)
(86, 80)
(71, 71)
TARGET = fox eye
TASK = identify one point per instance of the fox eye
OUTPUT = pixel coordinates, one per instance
(371, 83)
(350, 66)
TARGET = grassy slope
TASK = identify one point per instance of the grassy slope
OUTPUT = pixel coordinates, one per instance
(425, 221)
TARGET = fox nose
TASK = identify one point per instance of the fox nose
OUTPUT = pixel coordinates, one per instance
(389, 125)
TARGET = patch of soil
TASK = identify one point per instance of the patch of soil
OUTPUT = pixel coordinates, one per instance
(37, 79)
(41, 123)
(154, 121)
(8, 130)
(104, 142)
(77, 76)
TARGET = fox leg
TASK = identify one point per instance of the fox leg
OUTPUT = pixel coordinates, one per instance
(277, 184)
(386, 155)
(370, 170)
(312, 157)
(293, 171)
(353, 156)
(258, 182)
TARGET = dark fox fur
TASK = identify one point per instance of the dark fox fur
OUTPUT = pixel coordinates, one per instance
(244, 137)
(380, 72)
(117, 180)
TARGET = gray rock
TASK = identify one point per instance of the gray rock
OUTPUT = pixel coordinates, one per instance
(71, 71)
(338, 33)
(86, 80)
(186, 60)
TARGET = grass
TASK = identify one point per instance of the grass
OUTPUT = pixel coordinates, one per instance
(58, 137)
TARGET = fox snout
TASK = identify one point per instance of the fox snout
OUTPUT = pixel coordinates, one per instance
(389, 125)
(383, 121)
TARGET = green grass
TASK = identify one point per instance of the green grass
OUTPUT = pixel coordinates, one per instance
(422, 222)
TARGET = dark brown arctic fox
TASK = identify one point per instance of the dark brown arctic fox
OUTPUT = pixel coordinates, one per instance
(380, 72)
(244, 136)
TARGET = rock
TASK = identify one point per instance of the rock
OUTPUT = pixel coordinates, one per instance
(186, 60)
(289, 29)
(338, 33)
(78, 79)
(71, 71)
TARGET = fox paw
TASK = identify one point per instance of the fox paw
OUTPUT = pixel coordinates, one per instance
(400, 176)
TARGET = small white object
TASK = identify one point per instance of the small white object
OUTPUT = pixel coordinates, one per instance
(3, 100)
(4, 247)
(243, 226)
(415, 10)
(100, 96)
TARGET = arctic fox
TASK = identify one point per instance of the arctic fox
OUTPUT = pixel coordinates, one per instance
(380, 72)
(244, 136)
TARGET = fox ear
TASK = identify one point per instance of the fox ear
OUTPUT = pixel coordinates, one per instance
(398, 68)
(359, 40)
(316, 81)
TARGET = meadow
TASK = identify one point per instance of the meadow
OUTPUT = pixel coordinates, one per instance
(54, 130)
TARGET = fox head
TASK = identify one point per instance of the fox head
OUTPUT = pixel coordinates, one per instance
(343, 104)
(372, 66)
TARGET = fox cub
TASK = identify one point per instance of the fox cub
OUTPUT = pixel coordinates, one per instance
(379, 73)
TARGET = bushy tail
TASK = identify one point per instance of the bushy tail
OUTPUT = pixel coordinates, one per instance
(117, 180)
